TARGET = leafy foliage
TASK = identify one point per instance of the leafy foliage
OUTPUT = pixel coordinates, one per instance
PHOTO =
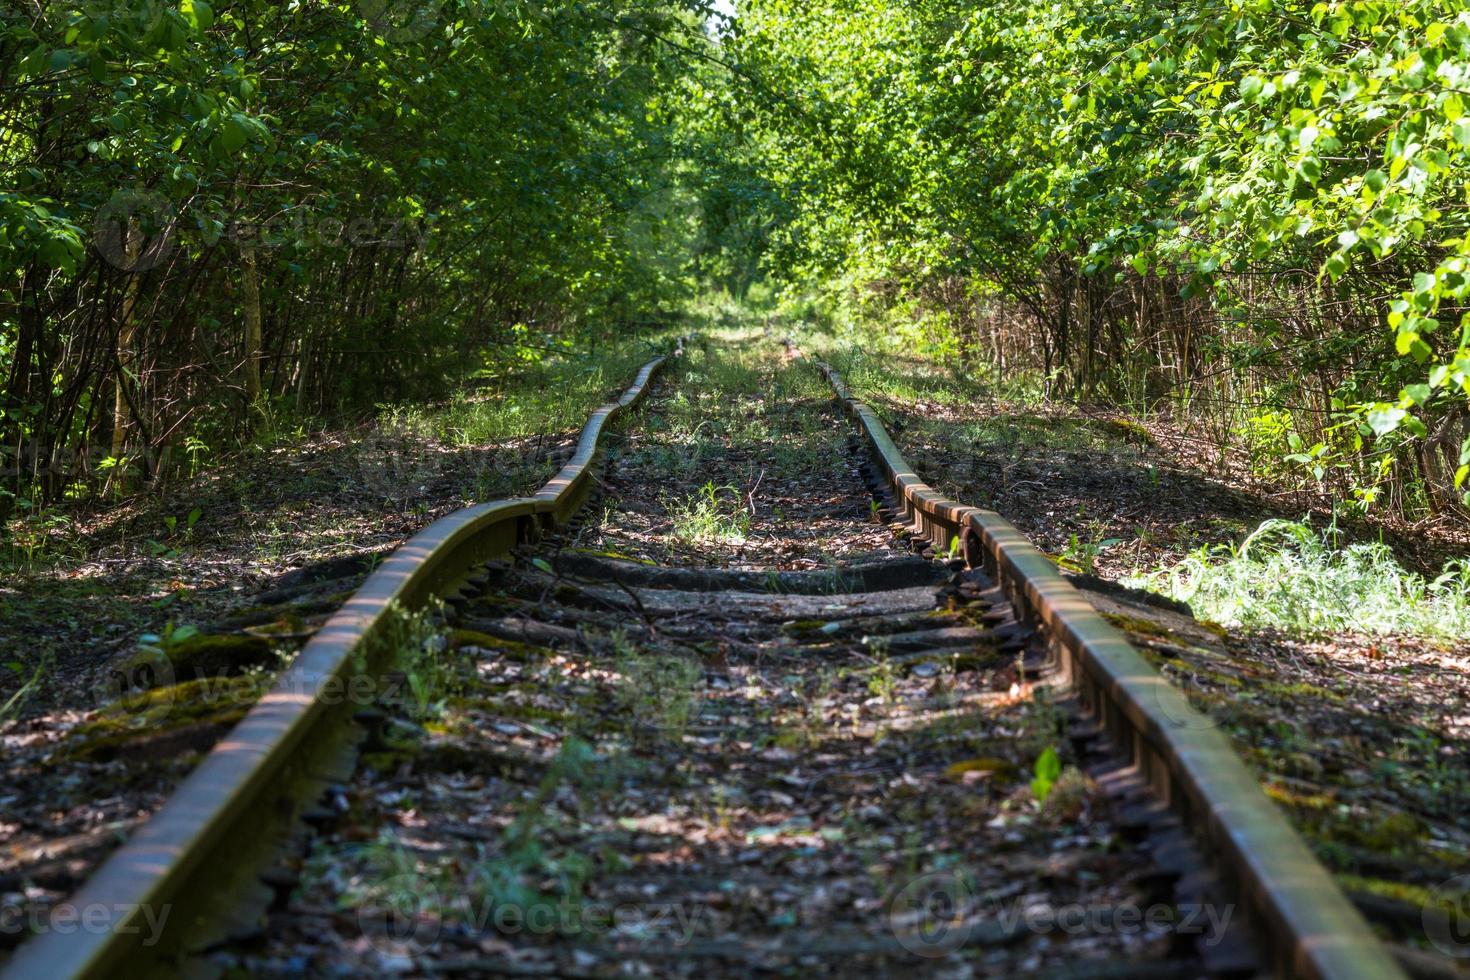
(1239, 209)
(1288, 575)
(214, 216)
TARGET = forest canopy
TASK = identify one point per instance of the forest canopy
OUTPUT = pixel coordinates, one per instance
(217, 216)
(1251, 210)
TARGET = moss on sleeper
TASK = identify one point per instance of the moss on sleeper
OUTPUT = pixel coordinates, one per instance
(166, 720)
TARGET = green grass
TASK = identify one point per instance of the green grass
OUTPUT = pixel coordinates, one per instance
(555, 395)
(713, 515)
(1289, 576)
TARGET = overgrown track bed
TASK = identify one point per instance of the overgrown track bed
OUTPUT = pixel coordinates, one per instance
(772, 751)
(788, 745)
(190, 870)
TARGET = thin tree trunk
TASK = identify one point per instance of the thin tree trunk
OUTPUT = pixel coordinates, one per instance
(250, 290)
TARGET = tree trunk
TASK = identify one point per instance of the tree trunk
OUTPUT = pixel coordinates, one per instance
(250, 293)
(125, 334)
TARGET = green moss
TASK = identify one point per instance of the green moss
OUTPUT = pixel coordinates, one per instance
(1320, 816)
(1301, 801)
(498, 601)
(1128, 430)
(1214, 627)
(1398, 891)
(212, 657)
(525, 712)
(1300, 690)
(511, 649)
(166, 720)
(1137, 624)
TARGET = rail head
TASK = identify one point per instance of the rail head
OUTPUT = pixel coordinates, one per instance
(135, 895)
(1311, 928)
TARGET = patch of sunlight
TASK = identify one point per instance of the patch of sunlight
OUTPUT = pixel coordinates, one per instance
(1290, 576)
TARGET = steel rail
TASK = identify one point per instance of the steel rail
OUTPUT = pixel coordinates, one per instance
(190, 861)
(1310, 927)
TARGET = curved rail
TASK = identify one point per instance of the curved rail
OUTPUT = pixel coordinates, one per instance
(1310, 927)
(186, 866)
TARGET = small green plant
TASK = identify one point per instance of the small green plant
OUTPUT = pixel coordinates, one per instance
(418, 649)
(196, 449)
(172, 523)
(28, 685)
(713, 515)
(1048, 770)
(1081, 556)
(166, 642)
(33, 535)
(883, 679)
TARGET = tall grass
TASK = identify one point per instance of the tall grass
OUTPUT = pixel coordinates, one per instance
(1290, 576)
(554, 395)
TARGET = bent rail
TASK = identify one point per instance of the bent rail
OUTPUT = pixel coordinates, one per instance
(1310, 927)
(185, 866)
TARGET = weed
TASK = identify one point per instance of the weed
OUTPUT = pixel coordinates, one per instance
(1288, 575)
(883, 679)
(17, 699)
(420, 651)
(1048, 771)
(1081, 556)
(713, 515)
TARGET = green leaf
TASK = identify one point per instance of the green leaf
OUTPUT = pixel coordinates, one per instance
(233, 136)
(1385, 419)
(1048, 770)
(198, 14)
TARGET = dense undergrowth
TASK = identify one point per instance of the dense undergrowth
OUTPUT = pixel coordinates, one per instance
(1293, 576)
(220, 222)
(1262, 571)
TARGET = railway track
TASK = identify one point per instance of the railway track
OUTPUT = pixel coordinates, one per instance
(818, 761)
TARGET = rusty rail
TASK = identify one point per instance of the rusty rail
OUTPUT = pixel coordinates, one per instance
(1310, 927)
(192, 862)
